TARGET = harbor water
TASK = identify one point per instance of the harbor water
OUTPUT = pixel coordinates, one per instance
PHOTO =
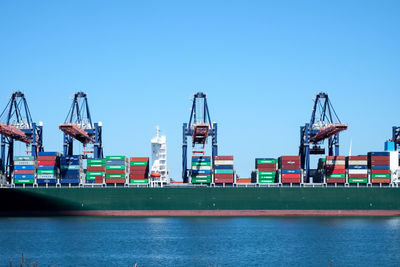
(245, 241)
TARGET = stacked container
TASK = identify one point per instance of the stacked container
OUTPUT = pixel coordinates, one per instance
(266, 169)
(24, 170)
(223, 170)
(290, 169)
(379, 163)
(201, 169)
(335, 169)
(357, 168)
(48, 167)
(116, 169)
(71, 169)
(96, 170)
(139, 170)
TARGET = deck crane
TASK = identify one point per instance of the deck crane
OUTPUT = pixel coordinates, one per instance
(16, 124)
(79, 126)
(324, 124)
(199, 129)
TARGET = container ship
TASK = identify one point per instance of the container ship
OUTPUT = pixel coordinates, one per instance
(44, 183)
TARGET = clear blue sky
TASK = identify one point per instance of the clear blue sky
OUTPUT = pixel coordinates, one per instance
(260, 63)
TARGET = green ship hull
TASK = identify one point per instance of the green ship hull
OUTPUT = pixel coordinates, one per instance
(200, 201)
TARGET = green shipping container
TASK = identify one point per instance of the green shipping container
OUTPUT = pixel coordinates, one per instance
(266, 177)
(337, 176)
(138, 163)
(201, 181)
(115, 176)
(23, 181)
(90, 178)
(101, 162)
(23, 158)
(115, 157)
(46, 172)
(266, 173)
(266, 161)
(358, 180)
(380, 176)
(199, 163)
(115, 167)
(94, 173)
(266, 181)
(223, 171)
(201, 176)
(139, 181)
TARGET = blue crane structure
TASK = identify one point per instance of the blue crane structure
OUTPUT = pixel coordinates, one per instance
(79, 126)
(324, 124)
(199, 129)
(17, 125)
(396, 136)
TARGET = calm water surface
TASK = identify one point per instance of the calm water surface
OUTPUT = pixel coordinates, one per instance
(266, 241)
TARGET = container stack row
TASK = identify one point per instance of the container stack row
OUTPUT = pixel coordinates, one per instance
(71, 169)
(96, 170)
(290, 169)
(357, 167)
(48, 167)
(201, 170)
(116, 169)
(139, 170)
(24, 170)
(379, 163)
(223, 170)
(266, 169)
(335, 168)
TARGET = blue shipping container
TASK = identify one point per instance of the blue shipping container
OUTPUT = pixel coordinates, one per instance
(24, 176)
(115, 162)
(378, 153)
(50, 154)
(46, 181)
(223, 167)
(69, 181)
(47, 167)
(70, 161)
(24, 167)
(357, 167)
(290, 171)
(380, 167)
(201, 159)
(201, 171)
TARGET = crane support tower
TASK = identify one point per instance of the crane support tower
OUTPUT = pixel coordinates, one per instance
(199, 129)
(16, 124)
(79, 126)
(324, 124)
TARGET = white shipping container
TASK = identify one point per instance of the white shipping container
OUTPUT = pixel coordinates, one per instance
(201, 168)
(354, 171)
(24, 162)
(358, 162)
(223, 162)
(335, 162)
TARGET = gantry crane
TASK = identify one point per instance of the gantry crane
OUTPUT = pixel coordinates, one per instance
(79, 126)
(199, 129)
(324, 124)
(16, 124)
(396, 136)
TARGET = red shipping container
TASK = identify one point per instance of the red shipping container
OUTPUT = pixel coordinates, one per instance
(223, 158)
(336, 180)
(223, 176)
(115, 181)
(335, 158)
(380, 158)
(139, 159)
(357, 158)
(267, 169)
(243, 180)
(24, 171)
(335, 167)
(96, 169)
(138, 176)
(115, 172)
(139, 168)
(386, 171)
(98, 179)
(204, 157)
(379, 162)
(380, 181)
(290, 167)
(291, 180)
(289, 158)
(138, 172)
(46, 158)
(358, 176)
(336, 171)
(223, 181)
(273, 165)
(47, 162)
(291, 175)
